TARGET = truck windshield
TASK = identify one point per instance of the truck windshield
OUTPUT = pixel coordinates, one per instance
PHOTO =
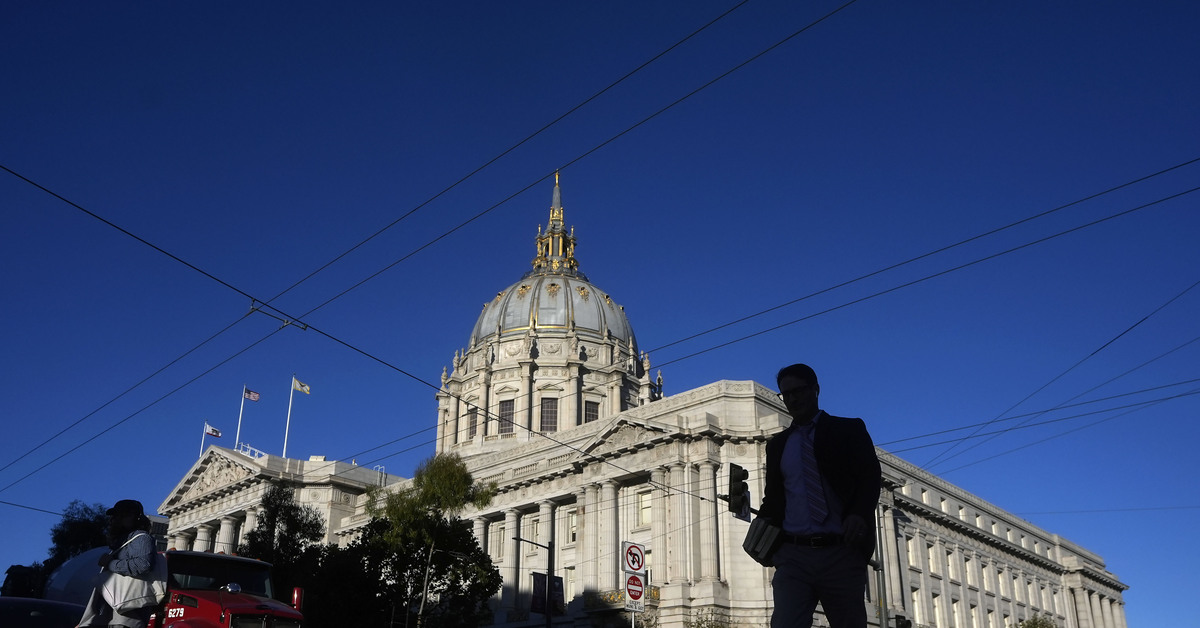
(210, 573)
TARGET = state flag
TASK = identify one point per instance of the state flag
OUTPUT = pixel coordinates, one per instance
(212, 431)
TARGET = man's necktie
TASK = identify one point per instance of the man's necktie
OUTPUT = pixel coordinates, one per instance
(817, 508)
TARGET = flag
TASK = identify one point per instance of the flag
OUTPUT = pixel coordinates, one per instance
(299, 385)
(212, 431)
(250, 394)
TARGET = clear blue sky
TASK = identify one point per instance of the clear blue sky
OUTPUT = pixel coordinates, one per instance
(257, 141)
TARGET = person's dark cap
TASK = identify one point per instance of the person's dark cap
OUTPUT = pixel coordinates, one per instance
(126, 507)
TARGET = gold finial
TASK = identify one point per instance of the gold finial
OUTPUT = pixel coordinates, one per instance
(555, 177)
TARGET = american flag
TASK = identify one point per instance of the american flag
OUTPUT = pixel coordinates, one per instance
(250, 394)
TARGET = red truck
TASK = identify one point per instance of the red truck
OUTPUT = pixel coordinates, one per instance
(210, 590)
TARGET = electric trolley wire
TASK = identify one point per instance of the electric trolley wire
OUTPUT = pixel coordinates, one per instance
(1061, 434)
(935, 275)
(342, 255)
(929, 254)
(510, 149)
(266, 304)
(1091, 355)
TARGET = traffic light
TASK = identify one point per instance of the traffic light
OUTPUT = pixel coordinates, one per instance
(738, 489)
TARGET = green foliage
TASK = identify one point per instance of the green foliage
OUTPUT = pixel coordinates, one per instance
(283, 533)
(1038, 621)
(441, 487)
(82, 528)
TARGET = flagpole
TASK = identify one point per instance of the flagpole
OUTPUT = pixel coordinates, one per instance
(202, 435)
(288, 425)
(237, 438)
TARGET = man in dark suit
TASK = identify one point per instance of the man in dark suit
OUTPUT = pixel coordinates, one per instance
(822, 486)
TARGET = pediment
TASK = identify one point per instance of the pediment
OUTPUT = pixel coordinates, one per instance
(624, 435)
(215, 472)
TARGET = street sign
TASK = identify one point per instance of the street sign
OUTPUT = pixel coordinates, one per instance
(633, 558)
(635, 594)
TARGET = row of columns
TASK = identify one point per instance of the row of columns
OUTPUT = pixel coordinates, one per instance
(1096, 610)
(969, 567)
(230, 531)
(680, 556)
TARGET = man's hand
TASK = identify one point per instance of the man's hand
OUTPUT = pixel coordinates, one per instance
(853, 529)
(105, 558)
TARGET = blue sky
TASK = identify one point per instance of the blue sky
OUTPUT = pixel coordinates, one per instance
(259, 141)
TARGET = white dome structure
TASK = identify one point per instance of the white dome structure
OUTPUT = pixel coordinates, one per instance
(550, 352)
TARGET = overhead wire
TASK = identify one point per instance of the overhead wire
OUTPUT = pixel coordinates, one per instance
(695, 91)
(944, 454)
(340, 256)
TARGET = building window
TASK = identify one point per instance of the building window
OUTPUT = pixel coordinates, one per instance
(472, 423)
(645, 510)
(549, 415)
(572, 526)
(506, 416)
(591, 411)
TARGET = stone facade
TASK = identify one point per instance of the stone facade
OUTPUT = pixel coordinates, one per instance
(217, 501)
(553, 402)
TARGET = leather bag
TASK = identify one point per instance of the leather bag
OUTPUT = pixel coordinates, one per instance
(762, 539)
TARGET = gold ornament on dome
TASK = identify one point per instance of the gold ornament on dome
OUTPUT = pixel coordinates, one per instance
(499, 295)
(553, 289)
(608, 300)
(555, 264)
(583, 292)
(521, 291)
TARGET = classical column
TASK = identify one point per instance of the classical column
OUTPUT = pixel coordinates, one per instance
(1097, 610)
(927, 614)
(658, 524)
(545, 532)
(680, 524)
(203, 538)
(227, 536)
(610, 543)
(454, 409)
(249, 525)
(590, 532)
(480, 530)
(889, 554)
(523, 410)
(706, 504)
(1119, 614)
(1083, 609)
(510, 573)
(570, 416)
(1110, 617)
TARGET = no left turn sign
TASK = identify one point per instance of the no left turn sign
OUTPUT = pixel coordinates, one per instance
(633, 558)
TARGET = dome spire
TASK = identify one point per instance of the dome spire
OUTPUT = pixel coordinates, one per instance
(556, 245)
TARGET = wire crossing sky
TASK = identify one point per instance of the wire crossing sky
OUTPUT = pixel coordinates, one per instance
(260, 142)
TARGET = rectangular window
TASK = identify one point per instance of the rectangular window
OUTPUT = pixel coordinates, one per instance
(645, 510)
(549, 415)
(591, 411)
(506, 416)
(472, 422)
(572, 526)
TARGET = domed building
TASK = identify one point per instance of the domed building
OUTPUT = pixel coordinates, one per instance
(549, 353)
(553, 402)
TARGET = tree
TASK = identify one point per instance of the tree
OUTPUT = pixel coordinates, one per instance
(82, 528)
(1038, 621)
(285, 530)
(437, 564)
